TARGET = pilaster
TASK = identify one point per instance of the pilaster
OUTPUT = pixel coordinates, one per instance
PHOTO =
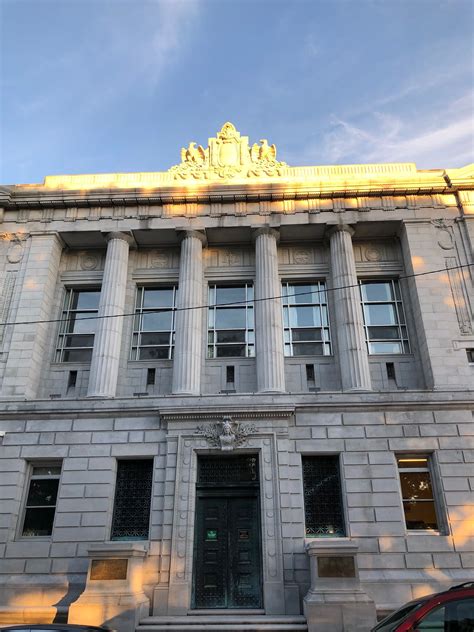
(353, 357)
(188, 337)
(268, 313)
(107, 343)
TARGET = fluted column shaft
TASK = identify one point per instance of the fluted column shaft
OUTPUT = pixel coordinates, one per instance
(188, 338)
(353, 357)
(107, 343)
(268, 314)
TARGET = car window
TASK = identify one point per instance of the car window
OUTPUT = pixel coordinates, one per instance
(433, 621)
(455, 616)
(390, 623)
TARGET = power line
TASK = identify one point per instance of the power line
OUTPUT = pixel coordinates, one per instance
(233, 303)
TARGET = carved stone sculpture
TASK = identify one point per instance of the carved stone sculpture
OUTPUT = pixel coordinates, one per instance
(226, 434)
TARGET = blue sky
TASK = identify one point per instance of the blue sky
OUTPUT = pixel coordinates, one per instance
(90, 86)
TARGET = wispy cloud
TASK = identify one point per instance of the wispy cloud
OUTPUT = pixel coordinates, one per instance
(440, 139)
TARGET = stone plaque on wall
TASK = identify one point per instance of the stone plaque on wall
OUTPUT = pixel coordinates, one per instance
(341, 566)
(109, 569)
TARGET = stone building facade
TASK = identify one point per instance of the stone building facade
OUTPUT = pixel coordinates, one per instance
(236, 385)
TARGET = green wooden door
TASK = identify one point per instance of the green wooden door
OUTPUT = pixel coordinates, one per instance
(227, 564)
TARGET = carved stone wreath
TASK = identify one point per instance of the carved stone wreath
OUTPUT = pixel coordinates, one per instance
(226, 434)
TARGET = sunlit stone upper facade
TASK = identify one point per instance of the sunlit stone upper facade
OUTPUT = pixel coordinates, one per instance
(313, 317)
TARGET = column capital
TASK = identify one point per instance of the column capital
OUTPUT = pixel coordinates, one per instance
(197, 234)
(340, 228)
(266, 230)
(127, 237)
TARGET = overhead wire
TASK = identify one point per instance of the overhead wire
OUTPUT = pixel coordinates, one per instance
(231, 304)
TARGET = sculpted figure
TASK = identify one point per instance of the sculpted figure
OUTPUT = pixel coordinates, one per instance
(227, 438)
(193, 153)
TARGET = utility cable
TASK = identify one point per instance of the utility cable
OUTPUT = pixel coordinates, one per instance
(231, 304)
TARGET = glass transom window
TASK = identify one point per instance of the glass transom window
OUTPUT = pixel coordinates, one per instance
(305, 319)
(154, 323)
(78, 325)
(231, 321)
(384, 317)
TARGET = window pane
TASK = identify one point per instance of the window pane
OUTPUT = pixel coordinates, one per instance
(322, 496)
(416, 485)
(230, 336)
(305, 317)
(85, 299)
(46, 470)
(303, 294)
(80, 341)
(301, 335)
(380, 315)
(77, 355)
(377, 291)
(230, 318)
(383, 333)
(132, 500)
(230, 295)
(232, 351)
(307, 349)
(82, 323)
(38, 521)
(154, 353)
(157, 321)
(158, 297)
(420, 515)
(43, 491)
(155, 338)
(385, 347)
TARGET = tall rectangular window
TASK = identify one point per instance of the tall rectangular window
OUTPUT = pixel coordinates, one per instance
(41, 500)
(231, 321)
(384, 317)
(305, 319)
(154, 323)
(131, 518)
(417, 491)
(324, 513)
(78, 325)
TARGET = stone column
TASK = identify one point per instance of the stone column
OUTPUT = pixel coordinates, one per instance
(268, 314)
(188, 337)
(353, 356)
(108, 338)
(28, 353)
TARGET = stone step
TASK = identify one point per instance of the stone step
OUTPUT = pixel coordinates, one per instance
(234, 622)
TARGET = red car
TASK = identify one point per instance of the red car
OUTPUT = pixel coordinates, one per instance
(448, 611)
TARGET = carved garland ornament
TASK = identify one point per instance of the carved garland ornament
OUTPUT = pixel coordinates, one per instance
(228, 155)
(226, 434)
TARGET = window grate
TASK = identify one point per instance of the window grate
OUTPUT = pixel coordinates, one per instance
(228, 470)
(324, 515)
(132, 500)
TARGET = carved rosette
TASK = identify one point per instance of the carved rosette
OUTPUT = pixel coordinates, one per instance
(226, 434)
(227, 156)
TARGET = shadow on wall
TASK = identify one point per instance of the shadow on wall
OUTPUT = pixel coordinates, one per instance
(74, 589)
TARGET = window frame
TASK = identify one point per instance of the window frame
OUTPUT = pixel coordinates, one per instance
(212, 310)
(342, 497)
(437, 497)
(139, 311)
(399, 309)
(65, 320)
(28, 477)
(326, 335)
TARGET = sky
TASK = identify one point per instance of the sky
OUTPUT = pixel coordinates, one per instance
(93, 86)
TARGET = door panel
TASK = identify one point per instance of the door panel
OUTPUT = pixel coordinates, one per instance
(227, 569)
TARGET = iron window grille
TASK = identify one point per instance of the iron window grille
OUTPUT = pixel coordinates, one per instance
(78, 327)
(229, 470)
(324, 513)
(305, 319)
(231, 331)
(416, 485)
(154, 323)
(131, 517)
(40, 506)
(384, 317)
